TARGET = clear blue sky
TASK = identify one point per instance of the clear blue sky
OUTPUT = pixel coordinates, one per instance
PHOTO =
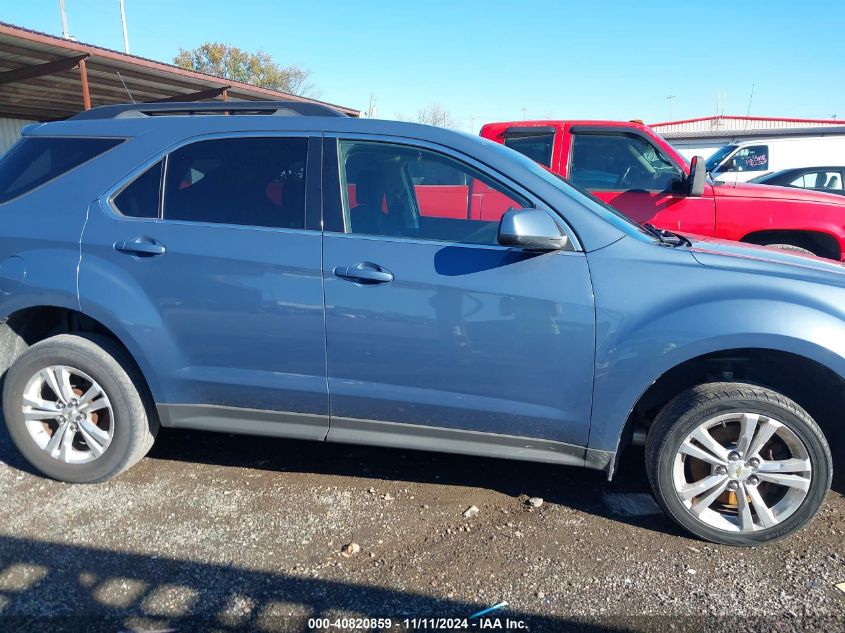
(489, 59)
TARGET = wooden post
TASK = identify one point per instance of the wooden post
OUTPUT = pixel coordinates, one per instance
(83, 75)
(225, 95)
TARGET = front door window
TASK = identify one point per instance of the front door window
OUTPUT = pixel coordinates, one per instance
(750, 158)
(401, 191)
(620, 162)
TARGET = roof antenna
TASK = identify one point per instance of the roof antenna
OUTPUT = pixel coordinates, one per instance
(125, 88)
(748, 112)
(745, 127)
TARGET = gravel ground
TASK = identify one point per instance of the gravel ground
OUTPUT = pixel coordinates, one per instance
(217, 532)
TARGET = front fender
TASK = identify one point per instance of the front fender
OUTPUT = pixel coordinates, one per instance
(675, 309)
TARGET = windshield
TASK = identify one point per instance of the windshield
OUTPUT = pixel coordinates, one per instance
(718, 156)
(600, 208)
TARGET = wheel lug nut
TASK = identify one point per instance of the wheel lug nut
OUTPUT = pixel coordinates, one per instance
(753, 480)
(721, 470)
(734, 456)
(754, 462)
(732, 485)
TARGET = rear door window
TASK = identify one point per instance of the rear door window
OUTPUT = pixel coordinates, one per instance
(534, 142)
(243, 181)
(38, 160)
(142, 197)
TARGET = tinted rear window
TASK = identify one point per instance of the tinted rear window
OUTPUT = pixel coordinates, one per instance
(37, 160)
(242, 181)
(536, 143)
(141, 198)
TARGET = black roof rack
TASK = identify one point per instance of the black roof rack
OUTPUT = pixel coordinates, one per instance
(277, 108)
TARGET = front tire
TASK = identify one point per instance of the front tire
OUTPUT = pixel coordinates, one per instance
(737, 464)
(74, 409)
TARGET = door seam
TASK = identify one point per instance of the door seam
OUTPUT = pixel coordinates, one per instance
(323, 290)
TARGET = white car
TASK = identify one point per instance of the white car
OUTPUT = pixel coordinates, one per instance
(740, 162)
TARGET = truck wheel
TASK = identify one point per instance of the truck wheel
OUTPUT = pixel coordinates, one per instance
(737, 464)
(790, 247)
(73, 407)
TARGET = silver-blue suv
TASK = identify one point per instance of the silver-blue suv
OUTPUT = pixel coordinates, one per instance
(278, 269)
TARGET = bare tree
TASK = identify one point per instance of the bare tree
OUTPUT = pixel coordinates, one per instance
(435, 114)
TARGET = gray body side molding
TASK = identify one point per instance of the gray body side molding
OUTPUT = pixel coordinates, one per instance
(379, 433)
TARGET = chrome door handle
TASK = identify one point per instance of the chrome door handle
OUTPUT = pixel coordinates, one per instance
(364, 273)
(141, 247)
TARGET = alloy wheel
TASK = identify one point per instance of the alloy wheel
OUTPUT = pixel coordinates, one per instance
(742, 472)
(68, 414)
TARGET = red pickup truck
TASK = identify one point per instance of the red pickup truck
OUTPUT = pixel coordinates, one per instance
(633, 169)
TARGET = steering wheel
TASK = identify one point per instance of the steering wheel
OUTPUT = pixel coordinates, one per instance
(621, 180)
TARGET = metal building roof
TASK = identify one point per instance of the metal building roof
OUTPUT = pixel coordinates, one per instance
(721, 126)
(47, 77)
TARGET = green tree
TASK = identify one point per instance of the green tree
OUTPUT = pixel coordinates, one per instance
(257, 69)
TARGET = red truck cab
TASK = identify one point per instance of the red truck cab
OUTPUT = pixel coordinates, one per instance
(629, 166)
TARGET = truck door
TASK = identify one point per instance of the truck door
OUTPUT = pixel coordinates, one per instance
(629, 172)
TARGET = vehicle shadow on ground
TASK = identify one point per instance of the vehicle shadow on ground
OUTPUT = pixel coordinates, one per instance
(580, 489)
(576, 488)
(573, 487)
(56, 587)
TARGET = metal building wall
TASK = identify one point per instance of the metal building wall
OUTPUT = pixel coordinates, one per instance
(10, 131)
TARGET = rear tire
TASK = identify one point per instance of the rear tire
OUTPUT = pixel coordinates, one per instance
(62, 433)
(715, 473)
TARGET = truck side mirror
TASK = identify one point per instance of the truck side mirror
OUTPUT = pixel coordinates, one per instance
(531, 229)
(697, 176)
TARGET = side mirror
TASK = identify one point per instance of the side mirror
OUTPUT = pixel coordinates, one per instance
(728, 165)
(697, 176)
(531, 229)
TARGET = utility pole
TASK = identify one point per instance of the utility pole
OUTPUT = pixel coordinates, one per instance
(371, 109)
(125, 33)
(524, 113)
(669, 99)
(472, 123)
(65, 33)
